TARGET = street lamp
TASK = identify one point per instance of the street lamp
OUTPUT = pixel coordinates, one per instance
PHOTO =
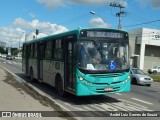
(94, 13)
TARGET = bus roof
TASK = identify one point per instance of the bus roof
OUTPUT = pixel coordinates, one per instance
(76, 31)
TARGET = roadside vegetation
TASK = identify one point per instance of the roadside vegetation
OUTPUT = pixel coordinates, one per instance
(156, 77)
(2, 50)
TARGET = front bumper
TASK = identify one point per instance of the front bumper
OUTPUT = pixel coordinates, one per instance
(86, 90)
(145, 82)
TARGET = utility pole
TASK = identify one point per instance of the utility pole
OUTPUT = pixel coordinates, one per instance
(120, 13)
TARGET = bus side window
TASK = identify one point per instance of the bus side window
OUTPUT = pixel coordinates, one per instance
(47, 49)
(53, 48)
(28, 55)
(35, 51)
(58, 51)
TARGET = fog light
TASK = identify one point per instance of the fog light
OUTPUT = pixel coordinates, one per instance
(80, 78)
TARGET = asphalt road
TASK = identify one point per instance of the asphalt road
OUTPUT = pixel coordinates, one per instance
(141, 98)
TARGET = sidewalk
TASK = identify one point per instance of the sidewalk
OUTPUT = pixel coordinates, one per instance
(15, 97)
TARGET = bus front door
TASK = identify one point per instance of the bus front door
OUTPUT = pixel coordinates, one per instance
(69, 65)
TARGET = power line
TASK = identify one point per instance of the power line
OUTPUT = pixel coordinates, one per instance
(140, 20)
(142, 23)
(79, 17)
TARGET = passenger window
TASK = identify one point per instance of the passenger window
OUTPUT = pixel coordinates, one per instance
(58, 50)
(48, 49)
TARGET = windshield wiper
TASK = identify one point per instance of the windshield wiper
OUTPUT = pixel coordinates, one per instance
(98, 47)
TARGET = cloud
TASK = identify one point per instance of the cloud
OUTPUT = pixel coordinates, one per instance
(55, 3)
(51, 3)
(11, 36)
(154, 3)
(42, 26)
(32, 15)
(98, 22)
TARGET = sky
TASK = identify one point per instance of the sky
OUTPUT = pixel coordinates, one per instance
(22, 17)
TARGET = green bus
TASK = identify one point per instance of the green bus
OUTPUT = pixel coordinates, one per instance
(83, 62)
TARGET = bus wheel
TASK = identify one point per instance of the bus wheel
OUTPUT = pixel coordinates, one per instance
(154, 72)
(31, 75)
(60, 87)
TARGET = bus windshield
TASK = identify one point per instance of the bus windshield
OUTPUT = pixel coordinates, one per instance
(102, 55)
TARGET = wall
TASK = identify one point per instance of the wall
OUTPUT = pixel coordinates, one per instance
(151, 39)
(152, 57)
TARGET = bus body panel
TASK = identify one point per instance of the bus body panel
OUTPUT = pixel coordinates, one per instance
(98, 84)
(24, 65)
(51, 69)
(33, 65)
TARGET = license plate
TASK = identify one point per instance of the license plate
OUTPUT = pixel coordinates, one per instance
(108, 89)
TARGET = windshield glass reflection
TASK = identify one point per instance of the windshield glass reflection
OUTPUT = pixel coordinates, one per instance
(138, 71)
(103, 55)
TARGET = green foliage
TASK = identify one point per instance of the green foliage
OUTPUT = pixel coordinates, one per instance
(156, 77)
(15, 52)
(2, 51)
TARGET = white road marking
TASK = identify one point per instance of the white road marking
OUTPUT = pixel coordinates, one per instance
(132, 106)
(156, 85)
(118, 94)
(87, 108)
(142, 101)
(122, 105)
(9, 62)
(15, 63)
(98, 107)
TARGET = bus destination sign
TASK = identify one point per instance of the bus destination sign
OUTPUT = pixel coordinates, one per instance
(102, 34)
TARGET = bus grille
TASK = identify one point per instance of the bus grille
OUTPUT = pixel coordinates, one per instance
(108, 75)
(116, 82)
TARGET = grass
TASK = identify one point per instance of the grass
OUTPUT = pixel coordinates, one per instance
(156, 77)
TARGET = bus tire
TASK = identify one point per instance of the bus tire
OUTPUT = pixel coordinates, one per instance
(60, 88)
(31, 75)
(154, 72)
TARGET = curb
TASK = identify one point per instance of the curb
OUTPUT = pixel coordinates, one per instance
(36, 90)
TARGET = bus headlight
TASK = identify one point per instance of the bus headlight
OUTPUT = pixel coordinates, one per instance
(125, 81)
(80, 78)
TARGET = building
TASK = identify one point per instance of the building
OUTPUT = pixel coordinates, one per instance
(144, 48)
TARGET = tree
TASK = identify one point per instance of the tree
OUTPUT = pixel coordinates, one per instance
(15, 52)
(2, 50)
